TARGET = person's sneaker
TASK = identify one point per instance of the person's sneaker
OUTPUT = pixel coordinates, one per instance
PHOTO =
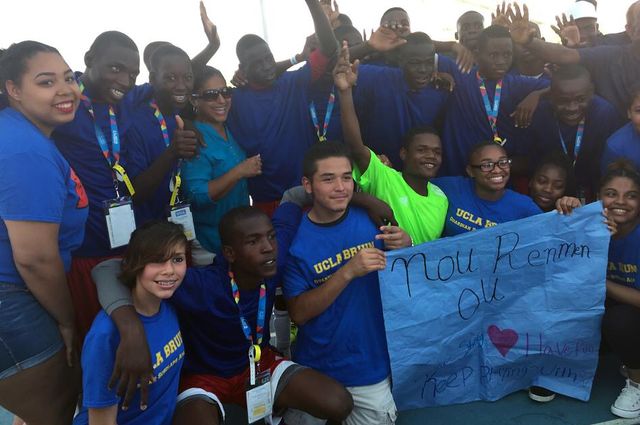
(541, 395)
(627, 405)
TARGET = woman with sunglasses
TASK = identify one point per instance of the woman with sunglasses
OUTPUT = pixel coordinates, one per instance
(483, 200)
(215, 181)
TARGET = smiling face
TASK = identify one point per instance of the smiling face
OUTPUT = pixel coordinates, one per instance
(331, 186)
(547, 186)
(47, 93)
(621, 196)
(173, 82)
(571, 98)
(112, 73)
(161, 280)
(423, 156)
(254, 249)
(495, 57)
(417, 62)
(211, 108)
(489, 181)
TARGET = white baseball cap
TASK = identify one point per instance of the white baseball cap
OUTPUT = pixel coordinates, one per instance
(583, 9)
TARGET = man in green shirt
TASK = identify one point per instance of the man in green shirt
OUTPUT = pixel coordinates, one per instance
(419, 206)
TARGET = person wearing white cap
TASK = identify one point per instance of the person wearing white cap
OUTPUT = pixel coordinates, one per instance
(586, 19)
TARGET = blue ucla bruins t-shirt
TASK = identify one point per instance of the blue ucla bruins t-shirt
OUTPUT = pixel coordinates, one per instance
(624, 259)
(167, 354)
(468, 212)
(347, 341)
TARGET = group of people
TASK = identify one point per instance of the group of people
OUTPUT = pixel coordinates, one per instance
(149, 232)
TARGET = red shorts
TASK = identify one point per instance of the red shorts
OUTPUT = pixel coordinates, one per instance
(84, 295)
(230, 390)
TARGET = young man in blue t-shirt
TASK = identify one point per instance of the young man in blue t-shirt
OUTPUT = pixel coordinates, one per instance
(391, 101)
(484, 101)
(332, 290)
(576, 122)
(270, 114)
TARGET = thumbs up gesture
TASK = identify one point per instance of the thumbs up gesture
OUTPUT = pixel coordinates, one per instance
(184, 143)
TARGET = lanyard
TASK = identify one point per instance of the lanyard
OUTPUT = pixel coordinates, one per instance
(176, 181)
(327, 118)
(492, 113)
(578, 145)
(262, 306)
(111, 155)
(161, 121)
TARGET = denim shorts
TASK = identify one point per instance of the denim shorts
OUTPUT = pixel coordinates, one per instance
(28, 334)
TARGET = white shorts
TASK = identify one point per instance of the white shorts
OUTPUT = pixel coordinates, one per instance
(372, 405)
(276, 377)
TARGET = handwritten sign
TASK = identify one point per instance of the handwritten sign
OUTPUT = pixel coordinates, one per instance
(487, 313)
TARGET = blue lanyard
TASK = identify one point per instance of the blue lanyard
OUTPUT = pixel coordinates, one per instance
(327, 118)
(578, 144)
(111, 155)
(262, 307)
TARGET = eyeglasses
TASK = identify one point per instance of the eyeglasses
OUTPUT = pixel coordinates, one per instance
(213, 94)
(489, 166)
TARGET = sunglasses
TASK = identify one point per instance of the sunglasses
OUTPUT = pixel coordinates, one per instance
(210, 95)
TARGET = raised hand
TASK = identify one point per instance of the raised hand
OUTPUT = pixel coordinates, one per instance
(521, 31)
(331, 12)
(345, 74)
(385, 39)
(500, 17)
(210, 29)
(567, 30)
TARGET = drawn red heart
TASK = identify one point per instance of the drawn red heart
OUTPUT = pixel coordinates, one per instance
(503, 340)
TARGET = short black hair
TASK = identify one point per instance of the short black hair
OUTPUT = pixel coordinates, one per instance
(569, 72)
(393, 9)
(320, 151)
(344, 20)
(13, 63)
(111, 38)
(343, 30)
(164, 51)
(621, 168)
(559, 159)
(479, 146)
(230, 223)
(246, 42)
(408, 138)
(467, 13)
(148, 51)
(492, 32)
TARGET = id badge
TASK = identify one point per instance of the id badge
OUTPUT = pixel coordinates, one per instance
(121, 221)
(259, 403)
(181, 214)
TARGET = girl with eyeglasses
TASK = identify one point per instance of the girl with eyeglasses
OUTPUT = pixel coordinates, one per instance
(483, 200)
(215, 181)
